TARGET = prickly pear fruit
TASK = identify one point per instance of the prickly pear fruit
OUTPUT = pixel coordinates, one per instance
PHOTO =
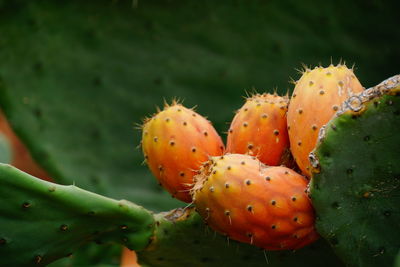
(244, 199)
(175, 143)
(318, 94)
(259, 129)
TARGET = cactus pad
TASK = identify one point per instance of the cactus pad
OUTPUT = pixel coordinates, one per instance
(356, 193)
(182, 239)
(43, 221)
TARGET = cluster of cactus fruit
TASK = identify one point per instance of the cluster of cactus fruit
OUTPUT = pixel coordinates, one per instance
(292, 170)
(250, 191)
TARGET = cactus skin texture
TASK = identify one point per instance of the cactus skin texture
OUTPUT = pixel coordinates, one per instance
(175, 142)
(266, 206)
(259, 129)
(318, 94)
(182, 239)
(356, 185)
(43, 221)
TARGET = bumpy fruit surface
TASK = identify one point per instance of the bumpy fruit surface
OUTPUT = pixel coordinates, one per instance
(249, 202)
(259, 129)
(175, 143)
(318, 95)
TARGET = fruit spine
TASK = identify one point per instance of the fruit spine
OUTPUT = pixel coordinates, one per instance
(175, 143)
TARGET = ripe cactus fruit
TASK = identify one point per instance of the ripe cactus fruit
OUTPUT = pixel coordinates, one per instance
(259, 129)
(266, 206)
(317, 96)
(175, 143)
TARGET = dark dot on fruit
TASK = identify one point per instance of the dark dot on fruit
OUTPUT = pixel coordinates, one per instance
(205, 133)
(273, 226)
(268, 178)
(184, 123)
(273, 202)
(294, 199)
(250, 208)
(242, 163)
(248, 182)
(276, 132)
(181, 174)
(245, 124)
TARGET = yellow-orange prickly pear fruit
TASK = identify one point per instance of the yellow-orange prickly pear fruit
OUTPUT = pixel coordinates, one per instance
(175, 143)
(244, 199)
(259, 129)
(316, 97)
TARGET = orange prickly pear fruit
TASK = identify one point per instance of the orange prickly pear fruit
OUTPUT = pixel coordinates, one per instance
(244, 199)
(317, 96)
(259, 129)
(175, 142)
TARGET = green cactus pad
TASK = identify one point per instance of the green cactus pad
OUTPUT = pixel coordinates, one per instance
(356, 193)
(182, 239)
(41, 221)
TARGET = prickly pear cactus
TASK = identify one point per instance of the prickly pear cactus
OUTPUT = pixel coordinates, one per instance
(182, 239)
(42, 221)
(356, 184)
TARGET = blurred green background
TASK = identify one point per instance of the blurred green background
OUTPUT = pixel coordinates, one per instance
(77, 76)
